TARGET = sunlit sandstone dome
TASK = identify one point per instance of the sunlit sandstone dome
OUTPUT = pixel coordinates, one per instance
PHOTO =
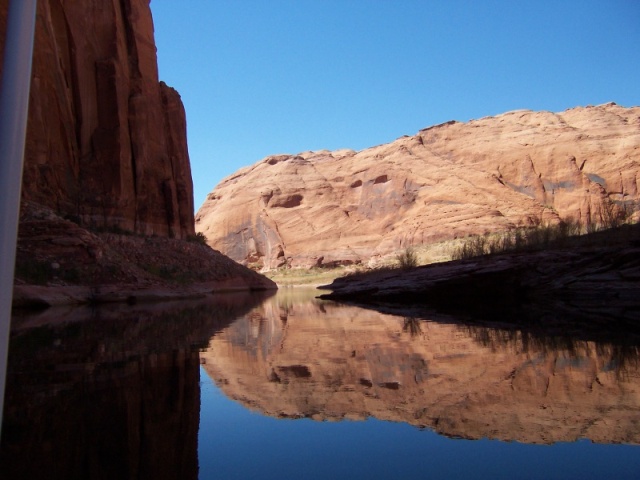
(447, 181)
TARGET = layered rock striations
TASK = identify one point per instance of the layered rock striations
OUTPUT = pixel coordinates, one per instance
(447, 181)
(106, 151)
(106, 142)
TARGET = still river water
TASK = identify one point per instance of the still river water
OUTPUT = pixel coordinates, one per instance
(292, 387)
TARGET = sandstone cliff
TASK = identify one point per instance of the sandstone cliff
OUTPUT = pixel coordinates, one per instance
(447, 181)
(106, 141)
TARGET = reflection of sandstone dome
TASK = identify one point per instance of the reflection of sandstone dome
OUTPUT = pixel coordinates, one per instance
(329, 362)
(447, 181)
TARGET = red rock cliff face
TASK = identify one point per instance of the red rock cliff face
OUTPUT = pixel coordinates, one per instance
(106, 140)
(445, 182)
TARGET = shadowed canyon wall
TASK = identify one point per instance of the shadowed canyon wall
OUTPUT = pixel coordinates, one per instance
(324, 361)
(448, 181)
(106, 142)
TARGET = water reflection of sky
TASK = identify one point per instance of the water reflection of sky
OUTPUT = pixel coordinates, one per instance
(235, 442)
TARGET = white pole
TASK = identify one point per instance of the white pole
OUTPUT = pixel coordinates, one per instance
(14, 107)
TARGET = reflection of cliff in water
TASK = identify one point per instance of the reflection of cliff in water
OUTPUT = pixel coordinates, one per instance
(109, 393)
(328, 361)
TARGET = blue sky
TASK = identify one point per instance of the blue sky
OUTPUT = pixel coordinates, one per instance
(260, 77)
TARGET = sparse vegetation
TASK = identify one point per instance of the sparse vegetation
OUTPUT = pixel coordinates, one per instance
(199, 238)
(516, 240)
(407, 258)
(612, 215)
(608, 225)
(541, 236)
(412, 325)
(303, 276)
(378, 269)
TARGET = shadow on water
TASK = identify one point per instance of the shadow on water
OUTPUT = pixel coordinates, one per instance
(109, 392)
(553, 320)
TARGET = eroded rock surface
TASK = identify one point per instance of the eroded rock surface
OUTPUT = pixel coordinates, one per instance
(447, 181)
(106, 141)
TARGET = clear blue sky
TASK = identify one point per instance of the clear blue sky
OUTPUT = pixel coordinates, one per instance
(260, 77)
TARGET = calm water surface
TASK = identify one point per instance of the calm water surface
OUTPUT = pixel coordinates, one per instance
(291, 387)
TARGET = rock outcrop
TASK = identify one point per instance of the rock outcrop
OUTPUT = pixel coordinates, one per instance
(448, 181)
(59, 262)
(106, 142)
(319, 360)
(591, 281)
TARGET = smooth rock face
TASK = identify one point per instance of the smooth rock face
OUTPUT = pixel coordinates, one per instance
(106, 141)
(448, 181)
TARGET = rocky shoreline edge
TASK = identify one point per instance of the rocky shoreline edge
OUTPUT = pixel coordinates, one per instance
(60, 262)
(38, 296)
(578, 286)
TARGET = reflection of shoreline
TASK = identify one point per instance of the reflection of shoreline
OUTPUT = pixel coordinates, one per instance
(326, 361)
(619, 357)
(110, 393)
(586, 285)
(553, 320)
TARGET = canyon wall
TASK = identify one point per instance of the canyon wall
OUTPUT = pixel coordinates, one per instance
(106, 142)
(447, 181)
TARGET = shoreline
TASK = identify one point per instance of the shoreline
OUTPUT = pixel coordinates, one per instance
(40, 297)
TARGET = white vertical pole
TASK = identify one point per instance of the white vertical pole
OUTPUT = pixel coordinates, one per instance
(14, 106)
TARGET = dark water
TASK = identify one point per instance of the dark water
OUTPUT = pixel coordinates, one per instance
(291, 387)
